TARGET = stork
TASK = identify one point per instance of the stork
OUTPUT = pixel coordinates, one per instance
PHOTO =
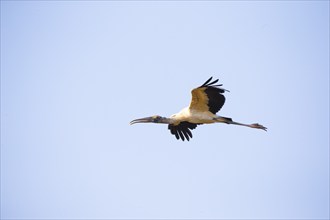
(206, 101)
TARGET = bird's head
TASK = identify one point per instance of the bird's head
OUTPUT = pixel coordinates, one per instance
(152, 119)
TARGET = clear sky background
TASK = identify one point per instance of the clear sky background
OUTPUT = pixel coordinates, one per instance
(74, 74)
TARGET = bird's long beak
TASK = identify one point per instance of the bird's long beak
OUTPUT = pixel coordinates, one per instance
(142, 120)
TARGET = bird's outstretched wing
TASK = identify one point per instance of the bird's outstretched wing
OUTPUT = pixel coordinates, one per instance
(182, 130)
(208, 97)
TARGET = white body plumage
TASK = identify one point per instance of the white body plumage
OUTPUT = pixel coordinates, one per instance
(193, 116)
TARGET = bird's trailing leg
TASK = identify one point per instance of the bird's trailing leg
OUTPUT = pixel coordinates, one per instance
(230, 121)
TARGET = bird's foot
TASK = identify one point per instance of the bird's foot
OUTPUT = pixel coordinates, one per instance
(258, 126)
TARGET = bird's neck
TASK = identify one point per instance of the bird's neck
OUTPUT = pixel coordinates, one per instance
(167, 120)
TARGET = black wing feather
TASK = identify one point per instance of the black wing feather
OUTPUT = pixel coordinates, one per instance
(207, 81)
(181, 134)
(174, 131)
(182, 130)
(214, 94)
(185, 132)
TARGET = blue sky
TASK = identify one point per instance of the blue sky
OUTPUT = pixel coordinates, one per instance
(74, 74)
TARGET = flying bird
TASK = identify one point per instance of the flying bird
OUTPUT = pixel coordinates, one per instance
(206, 101)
